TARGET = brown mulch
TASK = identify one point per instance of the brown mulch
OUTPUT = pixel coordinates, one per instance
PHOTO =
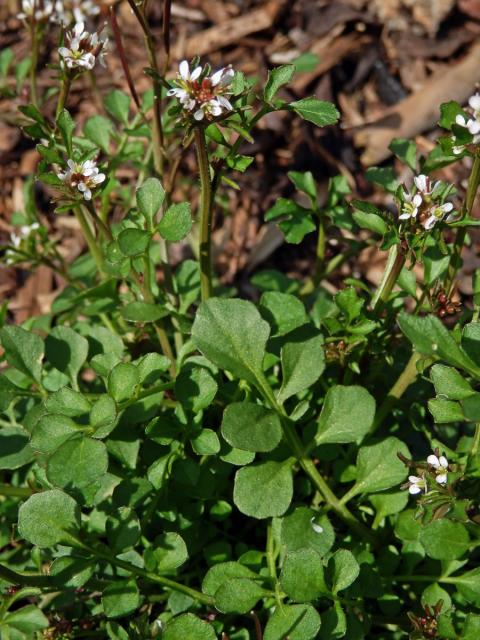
(387, 64)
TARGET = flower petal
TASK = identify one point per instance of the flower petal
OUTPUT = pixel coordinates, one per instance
(442, 478)
(433, 460)
(413, 489)
(184, 70)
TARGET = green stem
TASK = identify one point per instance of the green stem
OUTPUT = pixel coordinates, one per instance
(63, 95)
(402, 383)
(14, 577)
(271, 552)
(311, 470)
(18, 492)
(395, 262)
(102, 227)
(205, 215)
(153, 577)
(89, 238)
(34, 62)
(455, 259)
(320, 252)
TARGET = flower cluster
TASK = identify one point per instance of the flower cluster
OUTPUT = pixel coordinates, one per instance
(38, 10)
(17, 238)
(437, 468)
(82, 49)
(201, 94)
(424, 205)
(68, 11)
(472, 123)
(82, 176)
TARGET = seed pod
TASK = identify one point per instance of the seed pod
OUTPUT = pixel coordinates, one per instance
(442, 313)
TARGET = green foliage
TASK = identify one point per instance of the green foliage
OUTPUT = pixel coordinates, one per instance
(191, 457)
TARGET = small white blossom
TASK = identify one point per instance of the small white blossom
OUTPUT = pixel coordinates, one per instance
(315, 526)
(82, 176)
(440, 465)
(471, 124)
(411, 204)
(82, 49)
(16, 240)
(417, 484)
(68, 11)
(35, 9)
(203, 95)
(438, 213)
(424, 185)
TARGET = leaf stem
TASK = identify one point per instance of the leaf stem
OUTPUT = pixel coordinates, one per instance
(63, 95)
(34, 62)
(455, 258)
(320, 251)
(205, 215)
(395, 262)
(89, 238)
(17, 492)
(33, 580)
(402, 383)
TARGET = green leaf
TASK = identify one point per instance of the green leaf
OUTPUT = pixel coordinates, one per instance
(344, 570)
(383, 176)
(67, 402)
(27, 620)
(232, 334)
(206, 443)
(77, 463)
(305, 528)
(347, 415)
(388, 503)
(103, 416)
(368, 217)
(120, 598)
(169, 552)
(188, 626)
(176, 222)
(433, 593)
(304, 181)
(448, 113)
(468, 584)
(98, 129)
(302, 361)
(123, 530)
(239, 162)
(123, 381)
(150, 197)
(471, 628)
(450, 383)
(251, 427)
(444, 539)
(117, 104)
(51, 431)
(48, 518)
(195, 388)
(277, 78)
(140, 311)
(71, 572)
(405, 150)
(23, 350)
(431, 338)
(133, 242)
(445, 411)
(238, 595)
(221, 572)
(378, 466)
(297, 622)
(283, 312)
(263, 490)
(66, 126)
(6, 58)
(302, 576)
(15, 450)
(319, 112)
(297, 220)
(67, 351)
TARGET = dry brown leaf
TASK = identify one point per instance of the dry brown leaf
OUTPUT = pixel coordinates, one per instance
(420, 110)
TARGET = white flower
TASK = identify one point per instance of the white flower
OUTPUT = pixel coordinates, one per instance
(68, 11)
(440, 465)
(38, 9)
(82, 48)
(437, 213)
(424, 184)
(411, 204)
(471, 124)
(417, 484)
(203, 95)
(82, 176)
(16, 239)
(315, 526)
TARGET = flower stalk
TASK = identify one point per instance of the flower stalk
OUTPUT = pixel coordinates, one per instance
(395, 263)
(205, 215)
